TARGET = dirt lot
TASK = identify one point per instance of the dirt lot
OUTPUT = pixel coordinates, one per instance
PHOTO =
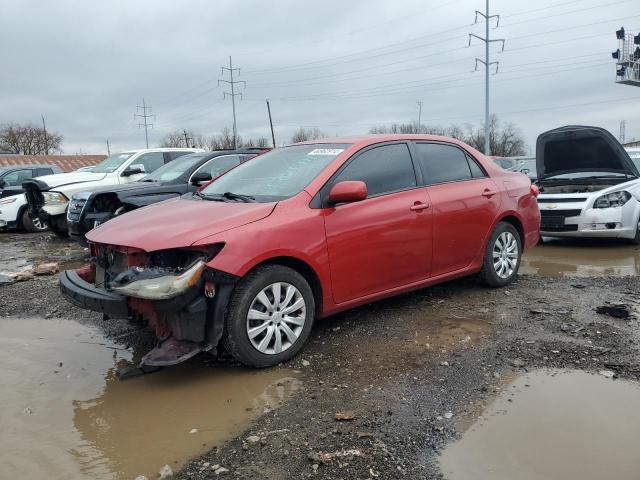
(379, 392)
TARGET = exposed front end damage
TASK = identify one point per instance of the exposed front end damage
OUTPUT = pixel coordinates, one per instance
(174, 291)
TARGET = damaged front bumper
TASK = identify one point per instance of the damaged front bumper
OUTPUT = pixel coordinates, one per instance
(185, 324)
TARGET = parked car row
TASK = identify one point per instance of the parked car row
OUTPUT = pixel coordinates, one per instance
(247, 254)
(251, 258)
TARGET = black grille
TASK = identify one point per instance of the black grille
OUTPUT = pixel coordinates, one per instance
(561, 200)
(560, 213)
(559, 228)
(75, 209)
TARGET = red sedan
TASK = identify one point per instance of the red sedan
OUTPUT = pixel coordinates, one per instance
(303, 232)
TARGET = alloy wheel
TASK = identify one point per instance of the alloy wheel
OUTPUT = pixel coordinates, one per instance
(276, 318)
(505, 255)
(38, 224)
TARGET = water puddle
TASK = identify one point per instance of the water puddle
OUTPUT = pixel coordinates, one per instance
(581, 258)
(451, 332)
(65, 415)
(19, 250)
(553, 425)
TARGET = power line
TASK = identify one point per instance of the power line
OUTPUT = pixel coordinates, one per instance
(144, 115)
(231, 82)
(487, 65)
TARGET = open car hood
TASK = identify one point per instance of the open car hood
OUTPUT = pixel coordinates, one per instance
(176, 223)
(576, 148)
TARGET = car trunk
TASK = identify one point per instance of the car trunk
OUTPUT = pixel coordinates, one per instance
(577, 151)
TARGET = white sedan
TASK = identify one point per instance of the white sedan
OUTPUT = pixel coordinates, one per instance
(14, 214)
(589, 185)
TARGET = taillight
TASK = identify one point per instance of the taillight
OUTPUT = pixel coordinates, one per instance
(535, 191)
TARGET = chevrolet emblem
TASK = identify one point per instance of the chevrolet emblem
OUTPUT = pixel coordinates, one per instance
(551, 206)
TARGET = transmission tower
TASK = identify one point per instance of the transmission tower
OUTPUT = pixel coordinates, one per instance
(232, 83)
(487, 65)
(186, 138)
(419, 115)
(144, 115)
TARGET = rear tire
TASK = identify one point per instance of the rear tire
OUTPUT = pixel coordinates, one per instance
(269, 317)
(502, 256)
(32, 225)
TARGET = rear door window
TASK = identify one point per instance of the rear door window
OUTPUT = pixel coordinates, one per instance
(476, 171)
(151, 161)
(442, 163)
(384, 169)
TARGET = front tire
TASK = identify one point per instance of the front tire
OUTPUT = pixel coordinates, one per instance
(32, 225)
(502, 256)
(59, 228)
(269, 317)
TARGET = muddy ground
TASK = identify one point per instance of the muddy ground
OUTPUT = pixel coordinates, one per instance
(410, 374)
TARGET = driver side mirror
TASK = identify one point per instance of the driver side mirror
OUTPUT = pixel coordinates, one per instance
(3, 184)
(200, 178)
(133, 170)
(348, 192)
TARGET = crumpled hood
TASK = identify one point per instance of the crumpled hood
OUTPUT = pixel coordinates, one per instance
(177, 223)
(62, 179)
(575, 148)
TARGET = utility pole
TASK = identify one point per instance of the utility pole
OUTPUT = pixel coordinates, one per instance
(233, 95)
(273, 137)
(108, 149)
(487, 64)
(419, 115)
(144, 115)
(46, 140)
(623, 128)
(186, 138)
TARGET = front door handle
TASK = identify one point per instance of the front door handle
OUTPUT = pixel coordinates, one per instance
(416, 207)
(488, 193)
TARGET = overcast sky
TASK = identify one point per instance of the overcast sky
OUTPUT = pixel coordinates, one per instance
(341, 66)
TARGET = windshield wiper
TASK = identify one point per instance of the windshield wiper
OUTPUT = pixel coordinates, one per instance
(213, 198)
(237, 196)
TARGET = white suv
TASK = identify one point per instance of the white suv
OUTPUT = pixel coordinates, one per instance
(48, 196)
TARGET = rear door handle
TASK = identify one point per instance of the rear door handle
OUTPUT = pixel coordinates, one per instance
(416, 207)
(488, 193)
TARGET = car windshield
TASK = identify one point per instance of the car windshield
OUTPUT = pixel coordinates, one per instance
(174, 169)
(635, 157)
(111, 164)
(277, 175)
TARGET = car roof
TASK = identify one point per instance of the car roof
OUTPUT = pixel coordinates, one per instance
(371, 139)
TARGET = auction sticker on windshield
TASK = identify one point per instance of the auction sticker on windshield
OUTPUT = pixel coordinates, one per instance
(326, 151)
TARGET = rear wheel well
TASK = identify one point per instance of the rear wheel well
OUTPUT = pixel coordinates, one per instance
(517, 224)
(303, 269)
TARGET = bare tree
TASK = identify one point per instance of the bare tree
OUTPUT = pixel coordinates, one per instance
(173, 139)
(29, 139)
(505, 142)
(304, 134)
